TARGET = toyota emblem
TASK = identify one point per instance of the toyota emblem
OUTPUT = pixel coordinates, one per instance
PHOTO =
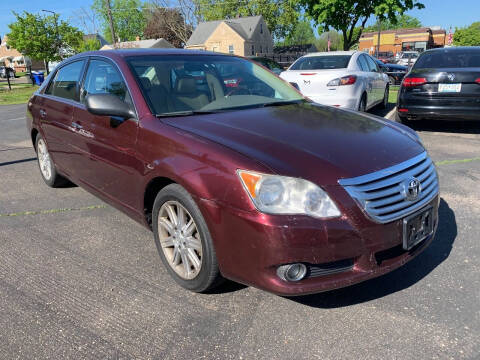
(411, 189)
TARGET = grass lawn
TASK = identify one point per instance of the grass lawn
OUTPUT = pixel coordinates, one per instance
(392, 96)
(19, 94)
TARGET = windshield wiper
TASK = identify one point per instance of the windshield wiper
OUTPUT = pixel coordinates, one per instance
(185, 113)
(282, 103)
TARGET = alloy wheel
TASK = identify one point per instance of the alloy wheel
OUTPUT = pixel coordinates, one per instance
(44, 160)
(180, 240)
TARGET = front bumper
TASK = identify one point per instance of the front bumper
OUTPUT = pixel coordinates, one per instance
(250, 246)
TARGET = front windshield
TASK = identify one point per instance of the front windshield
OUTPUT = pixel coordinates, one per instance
(174, 84)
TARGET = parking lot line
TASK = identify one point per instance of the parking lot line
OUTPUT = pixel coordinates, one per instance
(457, 161)
(53, 211)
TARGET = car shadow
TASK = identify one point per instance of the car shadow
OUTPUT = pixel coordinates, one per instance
(377, 110)
(400, 279)
(459, 126)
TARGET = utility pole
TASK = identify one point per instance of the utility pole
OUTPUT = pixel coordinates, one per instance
(110, 20)
(378, 40)
(57, 37)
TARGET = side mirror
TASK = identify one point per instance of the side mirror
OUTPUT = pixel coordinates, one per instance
(108, 105)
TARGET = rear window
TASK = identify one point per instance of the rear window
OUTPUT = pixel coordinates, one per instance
(321, 62)
(449, 59)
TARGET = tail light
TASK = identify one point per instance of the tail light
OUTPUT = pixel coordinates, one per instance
(346, 80)
(478, 81)
(413, 81)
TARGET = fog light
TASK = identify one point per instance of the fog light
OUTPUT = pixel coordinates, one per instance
(292, 272)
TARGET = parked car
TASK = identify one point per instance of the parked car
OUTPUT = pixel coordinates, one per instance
(4, 71)
(443, 84)
(255, 184)
(385, 56)
(395, 72)
(408, 58)
(346, 79)
(269, 64)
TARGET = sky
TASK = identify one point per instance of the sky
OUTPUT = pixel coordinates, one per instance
(444, 13)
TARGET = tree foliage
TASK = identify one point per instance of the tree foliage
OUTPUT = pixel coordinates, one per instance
(89, 45)
(302, 34)
(336, 41)
(346, 15)
(167, 23)
(128, 19)
(43, 37)
(281, 16)
(402, 22)
(467, 36)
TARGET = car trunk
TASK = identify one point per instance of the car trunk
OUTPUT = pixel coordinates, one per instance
(447, 86)
(312, 82)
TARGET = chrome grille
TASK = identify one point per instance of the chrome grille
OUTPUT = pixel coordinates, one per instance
(382, 194)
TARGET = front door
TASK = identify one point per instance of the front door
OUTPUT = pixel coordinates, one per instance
(112, 167)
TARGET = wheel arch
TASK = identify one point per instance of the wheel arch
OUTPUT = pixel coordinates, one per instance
(152, 189)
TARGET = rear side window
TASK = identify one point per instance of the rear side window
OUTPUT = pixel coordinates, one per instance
(371, 64)
(65, 83)
(321, 62)
(103, 78)
(449, 59)
(362, 62)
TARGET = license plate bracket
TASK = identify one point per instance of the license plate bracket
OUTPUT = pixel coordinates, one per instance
(417, 227)
(449, 88)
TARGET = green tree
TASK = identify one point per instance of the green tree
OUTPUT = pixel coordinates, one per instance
(43, 37)
(467, 36)
(336, 41)
(281, 16)
(302, 34)
(128, 18)
(402, 22)
(89, 45)
(347, 15)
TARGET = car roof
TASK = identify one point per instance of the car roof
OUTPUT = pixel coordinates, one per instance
(454, 48)
(330, 53)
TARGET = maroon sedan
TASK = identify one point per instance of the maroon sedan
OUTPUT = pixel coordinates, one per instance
(252, 183)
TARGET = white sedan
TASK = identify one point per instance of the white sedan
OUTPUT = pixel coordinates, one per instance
(345, 79)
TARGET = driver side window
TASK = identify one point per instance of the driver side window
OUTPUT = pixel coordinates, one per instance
(103, 78)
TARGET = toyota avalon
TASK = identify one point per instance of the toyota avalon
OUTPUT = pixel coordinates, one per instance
(250, 182)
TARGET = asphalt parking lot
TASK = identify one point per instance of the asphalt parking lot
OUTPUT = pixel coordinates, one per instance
(79, 279)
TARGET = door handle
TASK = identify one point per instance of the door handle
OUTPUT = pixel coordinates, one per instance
(43, 113)
(77, 125)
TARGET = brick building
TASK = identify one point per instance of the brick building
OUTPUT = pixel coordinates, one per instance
(417, 39)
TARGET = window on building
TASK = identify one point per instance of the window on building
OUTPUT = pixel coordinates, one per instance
(261, 49)
(261, 28)
(230, 49)
(253, 49)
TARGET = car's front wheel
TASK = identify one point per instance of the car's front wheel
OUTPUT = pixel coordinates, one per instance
(183, 240)
(46, 165)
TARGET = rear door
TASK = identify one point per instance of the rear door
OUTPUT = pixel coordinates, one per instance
(369, 79)
(111, 165)
(55, 109)
(378, 81)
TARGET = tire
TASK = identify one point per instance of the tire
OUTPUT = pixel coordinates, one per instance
(188, 255)
(46, 165)
(384, 103)
(362, 106)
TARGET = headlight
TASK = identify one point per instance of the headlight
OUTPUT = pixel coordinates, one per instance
(273, 194)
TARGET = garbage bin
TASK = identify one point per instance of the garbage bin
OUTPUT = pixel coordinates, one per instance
(38, 77)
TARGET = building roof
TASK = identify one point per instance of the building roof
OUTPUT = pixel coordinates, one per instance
(141, 44)
(244, 27)
(398, 31)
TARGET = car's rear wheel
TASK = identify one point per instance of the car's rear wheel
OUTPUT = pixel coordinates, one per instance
(46, 165)
(183, 240)
(362, 106)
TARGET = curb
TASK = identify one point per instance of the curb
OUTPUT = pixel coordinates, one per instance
(391, 114)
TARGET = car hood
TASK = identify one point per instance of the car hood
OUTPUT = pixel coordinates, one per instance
(319, 143)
